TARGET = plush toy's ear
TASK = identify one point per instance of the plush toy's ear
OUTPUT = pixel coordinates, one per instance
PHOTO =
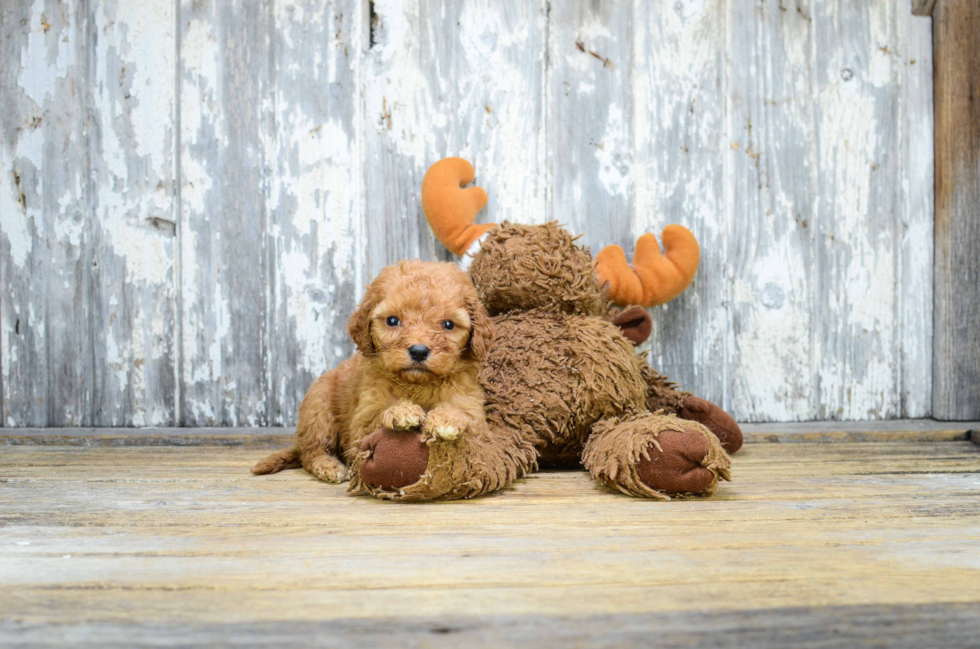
(449, 208)
(481, 328)
(635, 323)
(654, 277)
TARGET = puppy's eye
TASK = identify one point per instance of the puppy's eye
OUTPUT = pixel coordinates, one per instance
(448, 325)
(392, 321)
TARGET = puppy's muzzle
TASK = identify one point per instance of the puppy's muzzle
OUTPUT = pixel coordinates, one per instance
(418, 353)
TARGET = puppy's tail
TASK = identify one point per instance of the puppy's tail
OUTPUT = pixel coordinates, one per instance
(285, 459)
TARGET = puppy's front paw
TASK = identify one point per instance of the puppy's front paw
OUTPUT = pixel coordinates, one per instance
(443, 424)
(403, 415)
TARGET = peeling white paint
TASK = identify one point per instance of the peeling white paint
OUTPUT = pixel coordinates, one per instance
(48, 58)
(814, 294)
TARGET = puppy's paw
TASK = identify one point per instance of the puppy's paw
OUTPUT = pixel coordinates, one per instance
(443, 424)
(403, 415)
(329, 469)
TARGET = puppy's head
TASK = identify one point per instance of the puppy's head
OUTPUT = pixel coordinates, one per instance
(422, 321)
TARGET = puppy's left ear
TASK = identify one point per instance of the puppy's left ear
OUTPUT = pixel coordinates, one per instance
(359, 326)
(481, 328)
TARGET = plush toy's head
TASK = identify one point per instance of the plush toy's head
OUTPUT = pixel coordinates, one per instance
(522, 267)
(539, 266)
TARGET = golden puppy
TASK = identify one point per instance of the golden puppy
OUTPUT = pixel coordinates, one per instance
(421, 334)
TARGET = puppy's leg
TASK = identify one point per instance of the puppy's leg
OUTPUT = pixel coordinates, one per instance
(278, 461)
(403, 415)
(318, 431)
(445, 422)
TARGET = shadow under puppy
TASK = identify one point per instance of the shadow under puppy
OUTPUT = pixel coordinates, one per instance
(421, 336)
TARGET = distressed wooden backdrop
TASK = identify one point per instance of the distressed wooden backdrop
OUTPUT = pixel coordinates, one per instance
(193, 194)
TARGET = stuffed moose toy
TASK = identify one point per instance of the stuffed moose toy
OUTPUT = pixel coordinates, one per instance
(563, 384)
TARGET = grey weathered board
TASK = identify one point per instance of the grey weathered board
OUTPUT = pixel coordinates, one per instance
(957, 311)
(193, 194)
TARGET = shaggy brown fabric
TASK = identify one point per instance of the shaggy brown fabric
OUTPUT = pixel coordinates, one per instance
(552, 376)
(662, 393)
(634, 322)
(393, 459)
(522, 267)
(717, 420)
(563, 378)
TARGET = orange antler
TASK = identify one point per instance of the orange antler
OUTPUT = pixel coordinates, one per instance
(449, 208)
(654, 278)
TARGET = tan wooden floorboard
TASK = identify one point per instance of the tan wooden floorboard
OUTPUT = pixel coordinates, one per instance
(165, 540)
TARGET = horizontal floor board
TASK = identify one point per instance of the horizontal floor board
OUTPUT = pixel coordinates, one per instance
(945, 624)
(134, 541)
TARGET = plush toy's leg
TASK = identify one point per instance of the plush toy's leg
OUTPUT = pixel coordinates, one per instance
(655, 456)
(663, 394)
(398, 465)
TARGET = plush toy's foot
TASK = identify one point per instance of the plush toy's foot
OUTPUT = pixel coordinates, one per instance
(391, 460)
(656, 456)
(398, 465)
(715, 419)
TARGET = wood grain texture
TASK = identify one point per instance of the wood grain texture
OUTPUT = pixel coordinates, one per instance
(143, 539)
(771, 164)
(451, 79)
(916, 239)
(316, 226)
(227, 87)
(271, 204)
(680, 175)
(923, 7)
(912, 626)
(860, 55)
(590, 120)
(86, 213)
(193, 194)
(957, 309)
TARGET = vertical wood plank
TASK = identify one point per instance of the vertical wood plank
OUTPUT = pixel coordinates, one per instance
(680, 171)
(86, 214)
(858, 65)
(448, 79)
(915, 283)
(772, 176)
(956, 391)
(46, 250)
(226, 114)
(316, 228)
(590, 130)
(134, 226)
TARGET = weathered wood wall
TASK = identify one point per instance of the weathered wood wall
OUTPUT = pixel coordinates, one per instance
(193, 194)
(957, 313)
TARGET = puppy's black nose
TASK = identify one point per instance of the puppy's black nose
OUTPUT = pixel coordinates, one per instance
(418, 353)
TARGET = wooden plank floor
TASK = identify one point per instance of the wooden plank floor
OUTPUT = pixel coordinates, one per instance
(813, 543)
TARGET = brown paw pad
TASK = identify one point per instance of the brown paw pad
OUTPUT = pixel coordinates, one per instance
(397, 459)
(714, 419)
(677, 468)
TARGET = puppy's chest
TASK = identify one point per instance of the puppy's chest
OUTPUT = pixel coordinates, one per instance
(426, 396)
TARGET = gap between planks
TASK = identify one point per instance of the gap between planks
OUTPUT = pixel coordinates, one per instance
(903, 430)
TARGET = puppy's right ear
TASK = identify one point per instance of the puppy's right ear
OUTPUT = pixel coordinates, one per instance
(359, 328)
(482, 332)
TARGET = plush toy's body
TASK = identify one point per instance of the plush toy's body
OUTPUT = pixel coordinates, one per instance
(563, 384)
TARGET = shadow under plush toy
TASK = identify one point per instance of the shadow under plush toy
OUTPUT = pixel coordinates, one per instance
(563, 384)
